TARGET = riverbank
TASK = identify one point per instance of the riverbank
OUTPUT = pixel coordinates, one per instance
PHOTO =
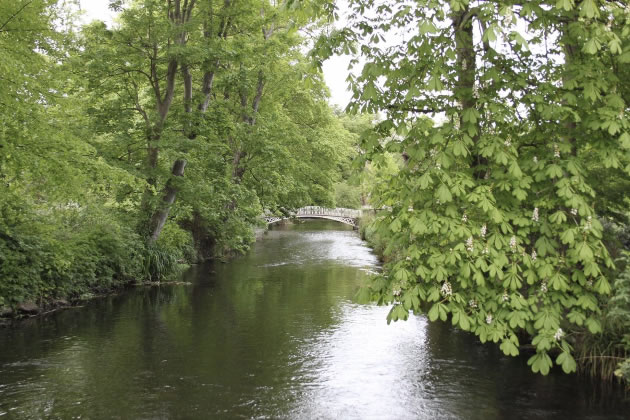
(30, 309)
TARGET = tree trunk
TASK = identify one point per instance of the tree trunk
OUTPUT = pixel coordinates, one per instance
(170, 193)
(237, 170)
(179, 14)
(465, 86)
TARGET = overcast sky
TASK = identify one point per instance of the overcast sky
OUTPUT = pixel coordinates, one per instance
(96, 9)
(335, 69)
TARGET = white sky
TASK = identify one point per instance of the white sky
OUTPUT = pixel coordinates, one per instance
(335, 74)
(335, 69)
(96, 9)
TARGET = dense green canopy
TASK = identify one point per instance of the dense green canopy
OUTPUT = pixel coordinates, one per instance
(159, 140)
(493, 220)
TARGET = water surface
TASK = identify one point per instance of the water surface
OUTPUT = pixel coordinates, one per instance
(273, 334)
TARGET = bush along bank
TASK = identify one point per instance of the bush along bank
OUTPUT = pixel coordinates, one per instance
(603, 355)
(606, 355)
(369, 233)
(56, 261)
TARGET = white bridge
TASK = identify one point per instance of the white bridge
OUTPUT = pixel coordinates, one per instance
(347, 216)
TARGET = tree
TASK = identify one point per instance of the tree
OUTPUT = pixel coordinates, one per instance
(218, 85)
(99, 128)
(60, 235)
(493, 220)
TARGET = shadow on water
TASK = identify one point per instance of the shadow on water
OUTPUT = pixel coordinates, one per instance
(273, 334)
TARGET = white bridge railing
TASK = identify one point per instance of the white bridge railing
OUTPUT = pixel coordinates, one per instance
(347, 216)
(323, 211)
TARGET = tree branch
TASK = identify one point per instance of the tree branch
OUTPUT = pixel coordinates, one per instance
(14, 15)
(413, 109)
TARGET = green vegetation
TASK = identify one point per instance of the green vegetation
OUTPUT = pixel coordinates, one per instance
(515, 143)
(127, 151)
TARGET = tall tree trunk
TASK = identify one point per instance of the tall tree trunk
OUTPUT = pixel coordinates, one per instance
(571, 50)
(170, 193)
(179, 13)
(191, 125)
(250, 119)
(466, 59)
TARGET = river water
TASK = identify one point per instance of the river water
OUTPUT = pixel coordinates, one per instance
(273, 334)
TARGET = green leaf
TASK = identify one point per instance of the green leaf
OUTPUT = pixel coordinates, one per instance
(411, 301)
(520, 40)
(434, 313)
(427, 27)
(489, 35)
(444, 194)
(554, 171)
(584, 252)
(576, 317)
(434, 295)
(470, 115)
(459, 149)
(425, 180)
(588, 301)
(515, 170)
(397, 312)
(412, 92)
(593, 325)
(363, 295)
(443, 311)
(558, 217)
(370, 92)
(602, 286)
(567, 236)
(402, 275)
(464, 322)
(589, 9)
(435, 83)
(520, 194)
(516, 319)
(615, 45)
(540, 362)
(508, 348)
(565, 4)
(567, 362)
(457, 5)
(591, 47)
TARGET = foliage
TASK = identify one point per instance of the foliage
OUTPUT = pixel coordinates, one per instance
(178, 242)
(268, 140)
(619, 315)
(624, 370)
(50, 245)
(493, 218)
(47, 258)
(158, 263)
(369, 233)
(347, 196)
(605, 355)
(130, 150)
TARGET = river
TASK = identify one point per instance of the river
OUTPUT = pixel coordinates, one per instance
(272, 334)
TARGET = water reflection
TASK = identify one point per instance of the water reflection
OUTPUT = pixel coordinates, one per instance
(271, 335)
